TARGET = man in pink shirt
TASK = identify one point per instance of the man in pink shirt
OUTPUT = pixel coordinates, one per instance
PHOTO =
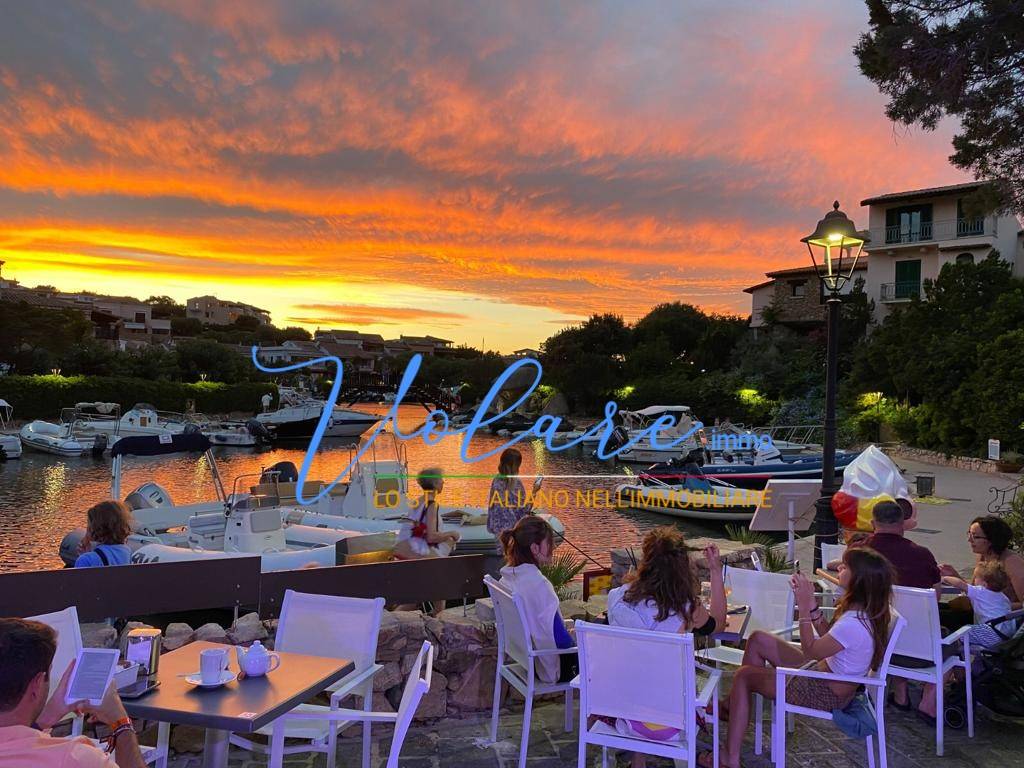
(26, 652)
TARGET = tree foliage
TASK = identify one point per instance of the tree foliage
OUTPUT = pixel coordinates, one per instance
(963, 58)
(586, 362)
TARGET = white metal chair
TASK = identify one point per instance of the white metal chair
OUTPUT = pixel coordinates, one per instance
(644, 676)
(830, 552)
(516, 662)
(874, 682)
(925, 643)
(416, 686)
(69, 643)
(769, 597)
(333, 627)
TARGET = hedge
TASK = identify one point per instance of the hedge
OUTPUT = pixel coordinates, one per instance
(42, 397)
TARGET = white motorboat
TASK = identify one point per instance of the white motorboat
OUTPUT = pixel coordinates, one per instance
(227, 527)
(300, 414)
(696, 498)
(10, 445)
(681, 433)
(238, 435)
(141, 419)
(60, 439)
(375, 499)
(742, 442)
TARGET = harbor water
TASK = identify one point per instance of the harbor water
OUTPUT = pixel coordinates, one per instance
(42, 496)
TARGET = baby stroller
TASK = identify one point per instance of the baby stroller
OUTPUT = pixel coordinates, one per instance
(998, 678)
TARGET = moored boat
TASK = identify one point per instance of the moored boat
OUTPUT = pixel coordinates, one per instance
(10, 445)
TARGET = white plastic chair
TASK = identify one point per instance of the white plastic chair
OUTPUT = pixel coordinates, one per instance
(925, 642)
(332, 627)
(874, 682)
(516, 662)
(647, 676)
(830, 552)
(769, 597)
(416, 686)
(69, 643)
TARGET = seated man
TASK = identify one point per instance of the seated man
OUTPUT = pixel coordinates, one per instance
(26, 652)
(915, 565)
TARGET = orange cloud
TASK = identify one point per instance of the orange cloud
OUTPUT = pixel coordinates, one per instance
(362, 315)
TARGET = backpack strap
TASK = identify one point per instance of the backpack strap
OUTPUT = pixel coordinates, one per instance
(102, 556)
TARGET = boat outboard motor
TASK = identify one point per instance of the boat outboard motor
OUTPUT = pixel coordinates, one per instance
(99, 445)
(767, 455)
(191, 429)
(149, 496)
(71, 546)
(283, 472)
(259, 430)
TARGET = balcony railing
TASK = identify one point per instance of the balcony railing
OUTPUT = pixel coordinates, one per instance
(946, 229)
(901, 291)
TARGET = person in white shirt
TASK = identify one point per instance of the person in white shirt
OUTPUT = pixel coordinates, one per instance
(852, 645)
(663, 595)
(989, 601)
(527, 545)
(26, 714)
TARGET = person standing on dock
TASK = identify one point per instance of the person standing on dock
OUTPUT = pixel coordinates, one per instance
(507, 503)
(108, 526)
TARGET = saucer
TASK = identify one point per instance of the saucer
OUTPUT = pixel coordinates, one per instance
(197, 679)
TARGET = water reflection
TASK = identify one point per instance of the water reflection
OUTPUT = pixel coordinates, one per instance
(43, 496)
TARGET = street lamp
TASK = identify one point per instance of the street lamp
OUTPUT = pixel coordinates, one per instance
(835, 245)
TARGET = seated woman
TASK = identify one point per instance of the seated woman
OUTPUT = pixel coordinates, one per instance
(664, 596)
(108, 525)
(852, 645)
(989, 538)
(528, 545)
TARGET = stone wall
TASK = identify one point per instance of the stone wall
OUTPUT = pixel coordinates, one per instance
(943, 459)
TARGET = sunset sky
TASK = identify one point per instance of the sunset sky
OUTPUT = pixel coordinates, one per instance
(486, 172)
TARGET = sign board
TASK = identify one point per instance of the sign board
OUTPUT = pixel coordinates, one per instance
(993, 450)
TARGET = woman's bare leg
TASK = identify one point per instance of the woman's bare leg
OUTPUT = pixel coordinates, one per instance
(748, 681)
(765, 647)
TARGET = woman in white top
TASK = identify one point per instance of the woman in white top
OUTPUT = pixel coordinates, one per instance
(664, 596)
(528, 545)
(852, 645)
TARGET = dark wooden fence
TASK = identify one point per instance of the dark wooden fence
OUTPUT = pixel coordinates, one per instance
(155, 588)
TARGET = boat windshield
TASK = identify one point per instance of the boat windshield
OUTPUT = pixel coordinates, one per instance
(385, 446)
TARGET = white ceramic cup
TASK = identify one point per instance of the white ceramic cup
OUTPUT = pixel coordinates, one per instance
(212, 662)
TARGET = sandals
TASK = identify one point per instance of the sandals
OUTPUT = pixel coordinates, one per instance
(706, 759)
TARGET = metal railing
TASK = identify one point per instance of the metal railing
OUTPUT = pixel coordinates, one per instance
(946, 229)
(904, 290)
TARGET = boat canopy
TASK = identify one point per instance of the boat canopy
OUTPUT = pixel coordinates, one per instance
(4, 404)
(158, 445)
(653, 410)
(98, 407)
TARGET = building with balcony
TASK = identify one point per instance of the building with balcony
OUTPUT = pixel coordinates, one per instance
(796, 297)
(913, 234)
(213, 311)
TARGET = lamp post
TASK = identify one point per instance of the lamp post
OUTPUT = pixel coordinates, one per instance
(835, 245)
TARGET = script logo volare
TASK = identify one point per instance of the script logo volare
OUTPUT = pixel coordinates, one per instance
(436, 426)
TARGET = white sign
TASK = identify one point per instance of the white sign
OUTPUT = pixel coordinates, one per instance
(165, 439)
(993, 450)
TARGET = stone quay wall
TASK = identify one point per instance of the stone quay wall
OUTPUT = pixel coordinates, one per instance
(943, 459)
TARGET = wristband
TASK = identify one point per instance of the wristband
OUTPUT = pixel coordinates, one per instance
(123, 725)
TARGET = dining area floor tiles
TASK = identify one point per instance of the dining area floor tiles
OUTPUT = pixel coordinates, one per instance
(462, 743)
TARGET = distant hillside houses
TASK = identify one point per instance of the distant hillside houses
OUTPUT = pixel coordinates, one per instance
(210, 309)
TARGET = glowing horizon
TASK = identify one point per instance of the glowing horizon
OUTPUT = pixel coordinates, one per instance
(485, 174)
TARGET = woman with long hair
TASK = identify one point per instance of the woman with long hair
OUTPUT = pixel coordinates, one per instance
(108, 525)
(528, 545)
(507, 502)
(663, 595)
(851, 645)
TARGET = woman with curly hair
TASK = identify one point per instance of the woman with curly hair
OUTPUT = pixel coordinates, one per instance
(107, 528)
(663, 595)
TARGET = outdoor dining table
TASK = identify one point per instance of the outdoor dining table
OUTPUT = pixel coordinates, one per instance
(244, 705)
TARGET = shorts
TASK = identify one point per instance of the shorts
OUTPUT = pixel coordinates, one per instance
(813, 693)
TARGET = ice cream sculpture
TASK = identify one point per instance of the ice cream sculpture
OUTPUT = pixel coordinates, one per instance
(870, 478)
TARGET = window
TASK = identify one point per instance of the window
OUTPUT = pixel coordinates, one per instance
(140, 317)
(797, 288)
(908, 279)
(908, 224)
(965, 258)
(967, 225)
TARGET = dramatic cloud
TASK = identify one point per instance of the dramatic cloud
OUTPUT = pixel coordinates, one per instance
(547, 159)
(361, 314)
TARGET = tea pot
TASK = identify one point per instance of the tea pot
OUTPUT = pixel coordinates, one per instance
(257, 661)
